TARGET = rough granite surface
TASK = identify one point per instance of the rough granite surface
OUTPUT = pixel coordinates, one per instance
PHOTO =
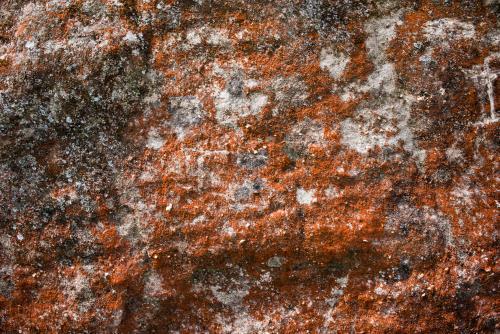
(249, 166)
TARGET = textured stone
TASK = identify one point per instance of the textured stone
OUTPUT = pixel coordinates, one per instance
(237, 166)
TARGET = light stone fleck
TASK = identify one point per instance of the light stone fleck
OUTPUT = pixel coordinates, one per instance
(333, 62)
(306, 196)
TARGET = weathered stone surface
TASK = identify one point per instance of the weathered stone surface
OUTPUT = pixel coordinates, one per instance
(237, 166)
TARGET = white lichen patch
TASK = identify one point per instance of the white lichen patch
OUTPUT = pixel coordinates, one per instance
(257, 102)
(243, 323)
(384, 121)
(218, 37)
(484, 78)
(185, 113)
(454, 154)
(77, 289)
(337, 292)
(39, 26)
(192, 162)
(154, 141)
(289, 92)
(230, 297)
(153, 286)
(333, 62)
(302, 136)
(380, 291)
(380, 83)
(306, 197)
(230, 107)
(210, 36)
(465, 193)
(134, 222)
(131, 38)
(386, 125)
(382, 80)
(228, 287)
(380, 32)
(444, 31)
(7, 284)
(148, 175)
(342, 281)
(228, 230)
(193, 37)
(74, 286)
(29, 45)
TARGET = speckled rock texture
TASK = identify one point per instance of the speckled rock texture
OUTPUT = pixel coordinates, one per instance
(249, 166)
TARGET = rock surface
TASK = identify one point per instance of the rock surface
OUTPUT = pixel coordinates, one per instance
(237, 166)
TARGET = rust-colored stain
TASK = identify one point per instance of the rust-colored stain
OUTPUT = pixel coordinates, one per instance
(304, 166)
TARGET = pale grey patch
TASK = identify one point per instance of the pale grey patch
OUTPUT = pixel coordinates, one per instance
(275, 262)
(242, 195)
(306, 197)
(332, 192)
(484, 78)
(425, 228)
(454, 154)
(134, 213)
(289, 92)
(466, 193)
(342, 281)
(153, 285)
(218, 37)
(154, 140)
(252, 160)
(386, 120)
(306, 133)
(333, 62)
(235, 85)
(243, 323)
(247, 189)
(116, 318)
(492, 37)
(491, 2)
(131, 38)
(193, 37)
(186, 112)
(382, 126)
(427, 60)
(78, 288)
(169, 14)
(6, 281)
(334, 297)
(231, 296)
(232, 103)
(337, 292)
(382, 81)
(230, 108)
(380, 32)
(446, 30)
